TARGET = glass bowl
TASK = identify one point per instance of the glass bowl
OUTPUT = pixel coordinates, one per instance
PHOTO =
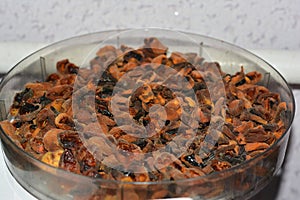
(47, 182)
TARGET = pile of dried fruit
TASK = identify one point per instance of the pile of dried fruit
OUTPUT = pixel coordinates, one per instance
(44, 121)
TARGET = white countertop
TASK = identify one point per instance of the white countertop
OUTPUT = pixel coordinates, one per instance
(284, 187)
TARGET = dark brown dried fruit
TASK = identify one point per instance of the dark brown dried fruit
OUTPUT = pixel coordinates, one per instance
(69, 162)
(69, 140)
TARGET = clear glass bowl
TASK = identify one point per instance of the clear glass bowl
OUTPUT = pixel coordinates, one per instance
(47, 182)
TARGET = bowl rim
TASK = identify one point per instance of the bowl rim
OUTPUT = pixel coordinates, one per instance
(213, 175)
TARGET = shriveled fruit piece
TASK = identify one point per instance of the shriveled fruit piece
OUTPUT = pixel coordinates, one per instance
(52, 158)
(51, 142)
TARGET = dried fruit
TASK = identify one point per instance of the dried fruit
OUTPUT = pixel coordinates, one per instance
(52, 158)
(51, 141)
(76, 128)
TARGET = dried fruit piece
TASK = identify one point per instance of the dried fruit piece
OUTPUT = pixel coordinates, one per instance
(69, 162)
(177, 57)
(9, 129)
(69, 140)
(173, 110)
(64, 121)
(51, 141)
(37, 145)
(153, 47)
(256, 146)
(236, 107)
(52, 158)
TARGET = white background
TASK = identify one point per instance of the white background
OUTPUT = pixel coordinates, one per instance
(255, 24)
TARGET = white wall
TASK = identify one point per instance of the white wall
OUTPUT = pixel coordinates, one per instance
(250, 24)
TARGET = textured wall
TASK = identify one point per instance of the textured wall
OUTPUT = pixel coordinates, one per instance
(251, 24)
